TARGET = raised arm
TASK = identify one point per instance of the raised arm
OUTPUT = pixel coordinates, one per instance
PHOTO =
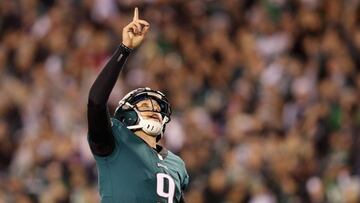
(100, 138)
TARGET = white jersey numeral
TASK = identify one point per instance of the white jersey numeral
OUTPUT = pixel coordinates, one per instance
(160, 183)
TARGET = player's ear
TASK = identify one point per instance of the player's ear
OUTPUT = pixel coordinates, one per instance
(128, 117)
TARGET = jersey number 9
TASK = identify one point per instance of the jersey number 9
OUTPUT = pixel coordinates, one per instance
(160, 190)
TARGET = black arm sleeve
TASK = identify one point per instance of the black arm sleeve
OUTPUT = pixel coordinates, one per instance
(101, 139)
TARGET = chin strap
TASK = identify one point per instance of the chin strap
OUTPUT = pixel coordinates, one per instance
(149, 126)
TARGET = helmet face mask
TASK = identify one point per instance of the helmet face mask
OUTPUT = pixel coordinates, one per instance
(157, 105)
(129, 112)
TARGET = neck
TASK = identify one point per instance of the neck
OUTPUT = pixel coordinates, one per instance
(150, 140)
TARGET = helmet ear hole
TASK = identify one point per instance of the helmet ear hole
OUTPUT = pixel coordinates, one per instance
(127, 117)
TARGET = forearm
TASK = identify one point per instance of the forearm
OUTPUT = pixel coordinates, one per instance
(105, 82)
(100, 135)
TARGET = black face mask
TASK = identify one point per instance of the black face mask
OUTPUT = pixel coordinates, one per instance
(164, 105)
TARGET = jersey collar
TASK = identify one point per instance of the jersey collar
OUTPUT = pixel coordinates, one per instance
(162, 151)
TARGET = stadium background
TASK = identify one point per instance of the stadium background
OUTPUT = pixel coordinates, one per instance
(265, 95)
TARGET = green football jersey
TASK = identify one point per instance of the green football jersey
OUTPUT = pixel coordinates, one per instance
(134, 172)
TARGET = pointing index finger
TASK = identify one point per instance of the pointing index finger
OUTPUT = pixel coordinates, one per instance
(136, 14)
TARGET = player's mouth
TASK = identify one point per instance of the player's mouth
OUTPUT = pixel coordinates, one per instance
(155, 117)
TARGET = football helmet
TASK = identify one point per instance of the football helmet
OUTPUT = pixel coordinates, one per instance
(129, 114)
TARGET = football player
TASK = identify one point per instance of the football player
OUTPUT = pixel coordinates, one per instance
(132, 167)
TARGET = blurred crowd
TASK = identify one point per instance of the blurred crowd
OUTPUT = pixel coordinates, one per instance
(265, 95)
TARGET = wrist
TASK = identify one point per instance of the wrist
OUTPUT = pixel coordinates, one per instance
(127, 44)
(127, 48)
